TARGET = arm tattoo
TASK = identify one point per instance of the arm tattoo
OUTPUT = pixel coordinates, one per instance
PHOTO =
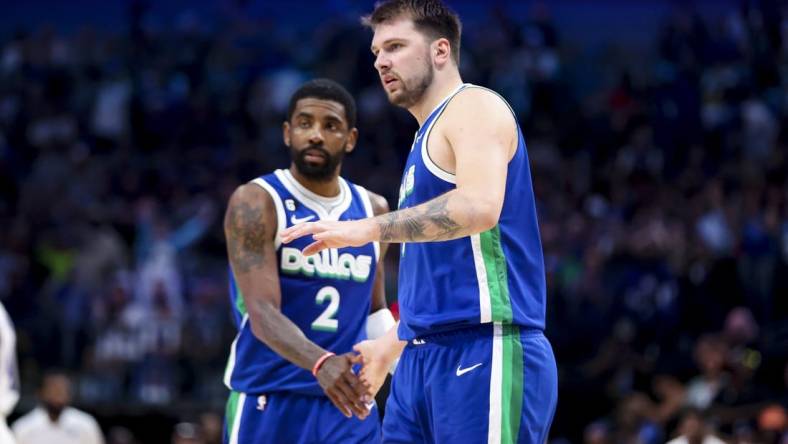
(245, 236)
(431, 224)
(438, 214)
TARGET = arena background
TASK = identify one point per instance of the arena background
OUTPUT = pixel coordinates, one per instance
(656, 136)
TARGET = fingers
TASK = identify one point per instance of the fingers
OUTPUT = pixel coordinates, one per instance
(344, 398)
(348, 386)
(361, 347)
(314, 248)
(300, 230)
(356, 359)
(338, 403)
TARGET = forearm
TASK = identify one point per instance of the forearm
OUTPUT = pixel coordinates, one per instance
(449, 216)
(284, 337)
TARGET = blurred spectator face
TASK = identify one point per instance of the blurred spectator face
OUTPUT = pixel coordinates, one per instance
(55, 393)
(596, 433)
(710, 355)
(632, 410)
(186, 433)
(403, 60)
(692, 427)
(318, 137)
(740, 326)
(211, 425)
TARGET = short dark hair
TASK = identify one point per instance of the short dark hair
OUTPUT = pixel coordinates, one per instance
(325, 89)
(431, 17)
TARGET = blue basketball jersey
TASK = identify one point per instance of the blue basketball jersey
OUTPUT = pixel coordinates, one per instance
(327, 295)
(494, 276)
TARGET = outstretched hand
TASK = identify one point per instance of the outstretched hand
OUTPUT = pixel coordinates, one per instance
(331, 234)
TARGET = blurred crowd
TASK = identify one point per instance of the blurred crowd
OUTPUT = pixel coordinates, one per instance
(661, 178)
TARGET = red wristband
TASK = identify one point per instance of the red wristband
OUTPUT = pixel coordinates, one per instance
(320, 362)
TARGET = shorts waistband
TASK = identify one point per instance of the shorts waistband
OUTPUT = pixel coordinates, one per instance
(464, 333)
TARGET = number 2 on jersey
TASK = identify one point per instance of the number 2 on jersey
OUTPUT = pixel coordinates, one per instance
(326, 321)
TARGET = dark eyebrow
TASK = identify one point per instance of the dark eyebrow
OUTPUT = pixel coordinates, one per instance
(385, 42)
(336, 119)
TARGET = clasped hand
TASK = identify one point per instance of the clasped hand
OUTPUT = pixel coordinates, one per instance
(353, 393)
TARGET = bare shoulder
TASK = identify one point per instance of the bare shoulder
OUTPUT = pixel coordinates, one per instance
(479, 103)
(479, 116)
(250, 208)
(379, 203)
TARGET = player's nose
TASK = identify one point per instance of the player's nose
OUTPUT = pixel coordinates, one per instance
(316, 136)
(382, 62)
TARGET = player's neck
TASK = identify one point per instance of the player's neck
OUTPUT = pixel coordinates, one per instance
(434, 95)
(328, 188)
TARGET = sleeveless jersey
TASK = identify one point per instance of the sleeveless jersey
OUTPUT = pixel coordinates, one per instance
(327, 295)
(494, 276)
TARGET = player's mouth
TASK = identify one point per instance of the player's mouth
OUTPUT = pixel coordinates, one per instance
(314, 156)
(389, 81)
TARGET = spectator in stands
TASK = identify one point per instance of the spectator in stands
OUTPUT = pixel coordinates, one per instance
(693, 429)
(54, 421)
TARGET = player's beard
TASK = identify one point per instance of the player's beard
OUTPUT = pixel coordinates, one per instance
(318, 173)
(411, 92)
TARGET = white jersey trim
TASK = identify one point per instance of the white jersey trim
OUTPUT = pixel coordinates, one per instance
(281, 219)
(365, 199)
(236, 426)
(228, 372)
(315, 202)
(496, 386)
(485, 309)
(425, 156)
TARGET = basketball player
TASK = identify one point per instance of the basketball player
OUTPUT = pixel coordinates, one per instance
(476, 366)
(294, 311)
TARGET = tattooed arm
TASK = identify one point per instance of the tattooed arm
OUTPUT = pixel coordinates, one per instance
(479, 133)
(249, 226)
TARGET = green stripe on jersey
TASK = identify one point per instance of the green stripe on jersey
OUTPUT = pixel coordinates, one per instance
(240, 305)
(512, 384)
(229, 413)
(497, 275)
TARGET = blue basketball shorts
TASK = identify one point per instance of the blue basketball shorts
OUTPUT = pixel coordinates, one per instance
(488, 384)
(290, 418)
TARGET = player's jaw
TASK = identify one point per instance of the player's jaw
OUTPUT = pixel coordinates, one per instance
(316, 163)
(406, 92)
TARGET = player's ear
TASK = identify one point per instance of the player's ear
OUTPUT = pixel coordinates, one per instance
(286, 133)
(441, 51)
(351, 141)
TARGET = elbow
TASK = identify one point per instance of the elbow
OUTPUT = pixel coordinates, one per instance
(488, 215)
(487, 222)
(258, 330)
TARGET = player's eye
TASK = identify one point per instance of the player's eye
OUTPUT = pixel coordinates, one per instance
(332, 126)
(303, 124)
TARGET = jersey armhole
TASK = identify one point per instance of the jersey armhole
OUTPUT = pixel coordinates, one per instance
(281, 220)
(364, 194)
(511, 110)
